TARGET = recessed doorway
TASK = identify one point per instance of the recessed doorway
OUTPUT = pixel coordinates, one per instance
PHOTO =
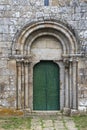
(46, 86)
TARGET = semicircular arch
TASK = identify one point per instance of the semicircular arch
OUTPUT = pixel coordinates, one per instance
(56, 29)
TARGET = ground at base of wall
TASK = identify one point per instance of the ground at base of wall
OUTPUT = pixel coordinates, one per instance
(10, 112)
(12, 119)
(80, 122)
(38, 123)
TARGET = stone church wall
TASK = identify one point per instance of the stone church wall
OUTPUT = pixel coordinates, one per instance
(15, 14)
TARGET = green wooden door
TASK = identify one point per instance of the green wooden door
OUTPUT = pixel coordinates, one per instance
(46, 90)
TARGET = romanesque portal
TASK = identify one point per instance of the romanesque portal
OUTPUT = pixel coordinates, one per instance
(52, 42)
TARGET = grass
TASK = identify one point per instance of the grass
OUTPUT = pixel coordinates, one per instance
(42, 124)
(24, 123)
(14, 123)
(81, 122)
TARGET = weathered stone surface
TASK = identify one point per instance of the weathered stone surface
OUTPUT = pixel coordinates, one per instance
(15, 14)
(51, 123)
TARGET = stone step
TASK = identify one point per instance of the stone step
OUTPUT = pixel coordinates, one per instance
(42, 113)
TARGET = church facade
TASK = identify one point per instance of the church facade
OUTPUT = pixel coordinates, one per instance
(43, 54)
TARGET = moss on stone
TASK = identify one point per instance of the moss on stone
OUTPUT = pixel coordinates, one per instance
(10, 112)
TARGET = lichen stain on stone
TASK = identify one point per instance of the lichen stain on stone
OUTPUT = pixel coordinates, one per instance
(65, 2)
(10, 112)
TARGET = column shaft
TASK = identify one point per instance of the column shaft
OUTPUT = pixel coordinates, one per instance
(62, 96)
(22, 86)
(66, 88)
(26, 86)
(71, 84)
(74, 85)
(30, 74)
(18, 84)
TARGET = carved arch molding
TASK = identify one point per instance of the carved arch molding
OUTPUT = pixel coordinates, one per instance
(30, 47)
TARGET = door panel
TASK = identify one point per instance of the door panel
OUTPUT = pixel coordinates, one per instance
(39, 99)
(46, 93)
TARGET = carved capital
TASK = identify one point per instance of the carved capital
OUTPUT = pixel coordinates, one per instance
(26, 62)
(66, 62)
(69, 59)
(75, 59)
(18, 63)
(22, 58)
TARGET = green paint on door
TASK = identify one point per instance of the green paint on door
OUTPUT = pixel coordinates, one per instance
(46, 89)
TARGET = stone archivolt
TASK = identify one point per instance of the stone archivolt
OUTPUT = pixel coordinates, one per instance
(56, 29)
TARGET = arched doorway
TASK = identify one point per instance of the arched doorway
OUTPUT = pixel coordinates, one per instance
(46, 86)
(48, 40)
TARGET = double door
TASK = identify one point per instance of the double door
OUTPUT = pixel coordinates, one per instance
(46, 89)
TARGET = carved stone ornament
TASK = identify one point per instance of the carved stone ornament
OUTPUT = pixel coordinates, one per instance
(66, 62)
(21, 58)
